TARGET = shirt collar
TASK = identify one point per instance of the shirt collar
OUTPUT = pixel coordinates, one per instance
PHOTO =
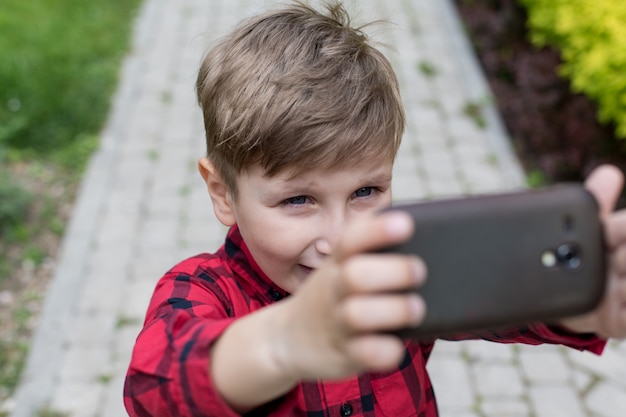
(238, 256)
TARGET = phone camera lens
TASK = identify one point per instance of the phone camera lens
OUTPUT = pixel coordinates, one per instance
(568, 255)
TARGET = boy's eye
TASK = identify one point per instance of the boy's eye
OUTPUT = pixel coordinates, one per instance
(363, 192)
(298, 200)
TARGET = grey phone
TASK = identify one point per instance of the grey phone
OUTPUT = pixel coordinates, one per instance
(506, 259)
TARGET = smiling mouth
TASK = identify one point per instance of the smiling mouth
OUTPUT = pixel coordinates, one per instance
(307, 270)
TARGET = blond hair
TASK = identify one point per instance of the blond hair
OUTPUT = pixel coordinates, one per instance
(297, 89)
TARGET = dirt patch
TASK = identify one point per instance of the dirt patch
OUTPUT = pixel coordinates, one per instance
(29, 260)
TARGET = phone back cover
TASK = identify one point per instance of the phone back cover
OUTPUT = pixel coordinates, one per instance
(484, 259)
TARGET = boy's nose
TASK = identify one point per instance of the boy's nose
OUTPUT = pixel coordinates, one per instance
(323, 246)
(330, 231)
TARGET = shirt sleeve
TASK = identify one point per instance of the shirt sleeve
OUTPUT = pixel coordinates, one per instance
(169, 369)
(540, 333)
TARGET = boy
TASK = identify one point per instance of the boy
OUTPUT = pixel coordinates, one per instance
(303, 119)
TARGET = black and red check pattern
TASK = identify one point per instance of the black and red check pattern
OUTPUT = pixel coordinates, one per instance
(196, 301)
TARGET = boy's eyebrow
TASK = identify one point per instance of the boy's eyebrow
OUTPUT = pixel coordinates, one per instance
(294, 185)
(378, 178)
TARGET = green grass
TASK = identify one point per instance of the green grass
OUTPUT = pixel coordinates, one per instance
(536, 179)
(14, 203)
(474, 110)
(59, 65)
(428, 69)
(12, 356)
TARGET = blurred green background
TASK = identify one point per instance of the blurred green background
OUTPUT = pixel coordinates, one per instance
(59, 64)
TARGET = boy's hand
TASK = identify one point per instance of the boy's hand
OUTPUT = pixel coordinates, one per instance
(608, 320)
(335, 324)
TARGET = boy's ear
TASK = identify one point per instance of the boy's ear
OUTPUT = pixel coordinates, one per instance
(220, 195)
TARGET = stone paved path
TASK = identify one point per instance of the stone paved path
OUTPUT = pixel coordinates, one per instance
(142, 207)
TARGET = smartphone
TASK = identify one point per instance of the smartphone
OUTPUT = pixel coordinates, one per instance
(506, 259)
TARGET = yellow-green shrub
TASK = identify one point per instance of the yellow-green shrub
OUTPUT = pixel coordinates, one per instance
(591, 35)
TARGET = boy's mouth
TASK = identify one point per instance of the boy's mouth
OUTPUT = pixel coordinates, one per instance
(306, 269)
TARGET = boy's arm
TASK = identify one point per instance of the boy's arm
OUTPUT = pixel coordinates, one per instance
(332, 327)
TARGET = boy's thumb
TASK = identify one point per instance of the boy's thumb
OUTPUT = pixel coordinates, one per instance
(605, 183)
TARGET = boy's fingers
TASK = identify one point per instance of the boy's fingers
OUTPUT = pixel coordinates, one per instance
(615, 229)
(605, 183)
(382, 313)
(377, 353)
(382, 273)
(619, 259)
(369, 233)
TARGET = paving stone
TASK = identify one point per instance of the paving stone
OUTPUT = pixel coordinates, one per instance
(464, 129)
(582, 380)
(407, 188)
(406, 159)
(456, 413)
(429, 124)
(452, 383)
(482, 178)
(618, 346)
(556, 401)
(505, 407)
(76, 399)
(445, 187)
(497, 380)
(92, 328)
(198, 202)
(171, 170)
(440, 172)
(150, 265)
(85, 363)
(610, 365)
(134, 304)
(545, 367)
(483, 351)
(607, 400)
(112, 392)
(157, 232)
(107, 272)
(454, 101)
(446, 347)
(122, 347)
(199, 236)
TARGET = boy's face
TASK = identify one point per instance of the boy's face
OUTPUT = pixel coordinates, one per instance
(290, 224)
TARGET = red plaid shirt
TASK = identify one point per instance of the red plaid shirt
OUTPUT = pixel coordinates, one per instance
(197, 299)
